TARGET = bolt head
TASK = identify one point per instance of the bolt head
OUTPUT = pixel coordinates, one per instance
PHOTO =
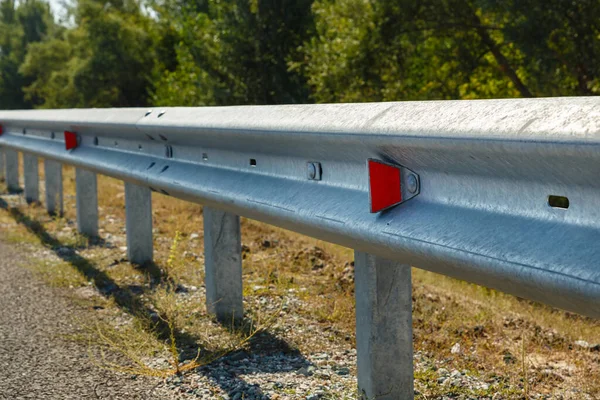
(411, 183)
(312, 171)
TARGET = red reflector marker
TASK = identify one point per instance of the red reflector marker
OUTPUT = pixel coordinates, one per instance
(1, 130)
(70, 140)
(384, 185)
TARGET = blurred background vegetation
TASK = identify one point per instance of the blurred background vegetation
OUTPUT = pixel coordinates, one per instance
(127, 53)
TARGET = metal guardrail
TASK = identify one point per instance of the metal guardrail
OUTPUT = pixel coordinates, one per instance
(502, 193)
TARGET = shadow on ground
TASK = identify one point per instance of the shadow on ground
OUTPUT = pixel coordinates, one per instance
(276, 355)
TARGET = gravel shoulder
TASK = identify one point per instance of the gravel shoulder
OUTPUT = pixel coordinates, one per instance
(37, 361)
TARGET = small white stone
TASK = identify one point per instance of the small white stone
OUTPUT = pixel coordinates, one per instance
(455, 349)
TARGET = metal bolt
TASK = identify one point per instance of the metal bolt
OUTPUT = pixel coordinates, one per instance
(412, 183)
(313, 171)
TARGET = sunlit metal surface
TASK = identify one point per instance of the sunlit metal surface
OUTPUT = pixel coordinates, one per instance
(487, 170)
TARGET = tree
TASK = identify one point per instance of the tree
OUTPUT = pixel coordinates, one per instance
(215, 52)
(106, 60)
(400, 49)
(236, 52)
(21, 24)
(559, 41)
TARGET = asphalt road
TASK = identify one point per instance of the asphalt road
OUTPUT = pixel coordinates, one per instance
(37, 361)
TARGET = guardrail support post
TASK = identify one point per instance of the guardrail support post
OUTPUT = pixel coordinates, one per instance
(138, 219)
(54, 187)
(383, 328)
(11, 158)
(2, 175)
(86, 189)
(223, 265)
(32, 178)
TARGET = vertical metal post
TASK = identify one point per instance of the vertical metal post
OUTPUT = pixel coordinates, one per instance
(32, 178)
(223, 265)
(383, 328)
(11, 159)
(54, 187)
(2, 176)
(87, 202)
(138, 219)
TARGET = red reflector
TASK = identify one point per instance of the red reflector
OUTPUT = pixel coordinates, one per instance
(1, 130)
(384, 185)
(70, 140)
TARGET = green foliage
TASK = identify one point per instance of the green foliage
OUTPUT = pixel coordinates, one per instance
(235, 52)
(187, 85)
(560, 42)
(106, 60)
(394, 50)
(368, 50)
(342, 63)
(21, 24)
(190, 77)
(214, 52)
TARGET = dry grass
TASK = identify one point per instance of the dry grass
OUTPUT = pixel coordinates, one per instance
(520, 347)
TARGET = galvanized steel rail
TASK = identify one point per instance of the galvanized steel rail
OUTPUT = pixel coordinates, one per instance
(502, 193)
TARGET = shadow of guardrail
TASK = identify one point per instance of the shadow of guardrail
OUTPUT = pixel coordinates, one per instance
(266, 352)
(125, 299)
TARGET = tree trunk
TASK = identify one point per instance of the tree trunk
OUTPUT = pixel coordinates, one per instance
(502, 61)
